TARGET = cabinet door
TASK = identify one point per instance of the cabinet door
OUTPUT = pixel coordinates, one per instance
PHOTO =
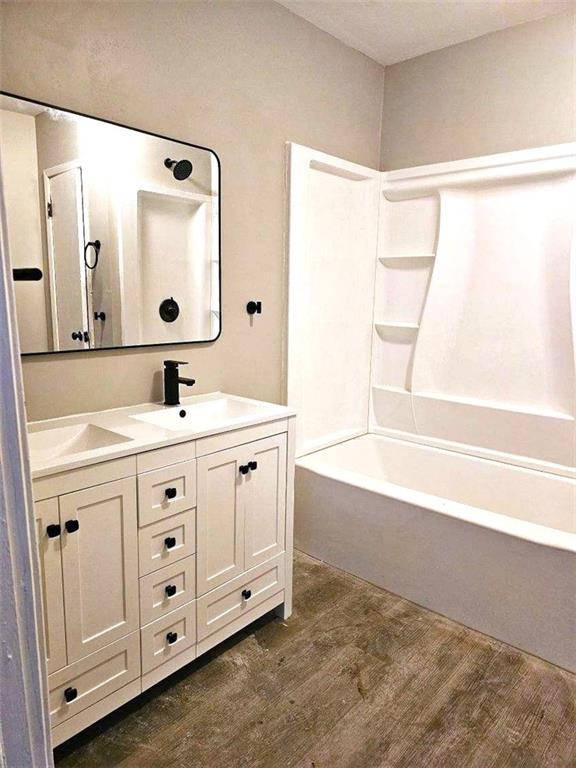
(265, 500)
(100, 561)
(220, 517)
(49, 540)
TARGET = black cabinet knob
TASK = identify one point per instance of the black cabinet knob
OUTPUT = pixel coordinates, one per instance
(170, 590)
(170, 493)
(172, 637)
(53, 530)
(252, 465)
(244, 469)
(71, 525)
(246, 594)
(77, 335)
(70, 694)
(170, 542)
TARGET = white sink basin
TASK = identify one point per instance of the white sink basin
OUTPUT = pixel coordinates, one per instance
(209, 414)
(63, 441)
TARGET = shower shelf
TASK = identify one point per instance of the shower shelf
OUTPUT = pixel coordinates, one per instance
(408, 257)
(391, 388)
(401, 326)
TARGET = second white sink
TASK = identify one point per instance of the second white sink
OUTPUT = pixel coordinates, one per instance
(77, 438)
(203, 415)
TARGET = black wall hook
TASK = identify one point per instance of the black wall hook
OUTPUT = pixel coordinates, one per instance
(254, 307)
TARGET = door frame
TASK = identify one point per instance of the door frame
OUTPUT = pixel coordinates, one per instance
(83, 225)
(22, 658)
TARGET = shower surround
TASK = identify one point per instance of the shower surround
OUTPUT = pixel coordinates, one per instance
(433, 308)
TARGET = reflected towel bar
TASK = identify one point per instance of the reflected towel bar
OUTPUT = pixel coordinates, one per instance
(27, 273)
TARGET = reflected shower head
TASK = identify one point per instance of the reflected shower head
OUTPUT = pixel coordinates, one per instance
(181, 169)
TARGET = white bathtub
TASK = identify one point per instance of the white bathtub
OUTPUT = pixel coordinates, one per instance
(488, 544)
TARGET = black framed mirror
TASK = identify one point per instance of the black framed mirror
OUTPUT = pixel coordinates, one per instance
(113, 232)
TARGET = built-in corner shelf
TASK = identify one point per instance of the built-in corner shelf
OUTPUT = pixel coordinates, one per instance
(406, 258)
(390, 388)
(400, 326)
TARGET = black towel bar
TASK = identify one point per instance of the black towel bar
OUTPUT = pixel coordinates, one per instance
(27, 273)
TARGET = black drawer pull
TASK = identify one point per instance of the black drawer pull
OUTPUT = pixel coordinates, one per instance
(246, 594)
(170, 493)
(170, 590)
(170, 542)
(71, 525)
(53, 530)
(253, 465)
(172, 637)
(70, 694)
(244, 469)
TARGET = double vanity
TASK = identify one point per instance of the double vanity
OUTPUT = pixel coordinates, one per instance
(162, 530)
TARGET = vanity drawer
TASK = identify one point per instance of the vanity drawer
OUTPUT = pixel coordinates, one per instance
(93, 678)
(229, 602)
(166, 491)
(167, 589)
(168, 636)
(167, 541)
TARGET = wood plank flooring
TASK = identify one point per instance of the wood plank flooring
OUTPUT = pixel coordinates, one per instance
(356, 678)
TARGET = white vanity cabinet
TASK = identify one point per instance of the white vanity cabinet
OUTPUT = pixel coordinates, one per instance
(89, 568)
(99, 566)
(265, 510)
(241, 509)
(151, 559)
(48, 536)
(220, 520)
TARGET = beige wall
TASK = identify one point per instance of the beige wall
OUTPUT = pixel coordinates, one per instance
(240, 77)
(508, 90)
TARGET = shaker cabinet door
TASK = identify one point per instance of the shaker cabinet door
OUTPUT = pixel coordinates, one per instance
(220, 517)
(100, 562)
(49, 539)
(265, 500)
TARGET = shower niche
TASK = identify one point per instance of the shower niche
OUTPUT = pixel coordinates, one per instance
(115, 222)
(170, 262)
(470, 305)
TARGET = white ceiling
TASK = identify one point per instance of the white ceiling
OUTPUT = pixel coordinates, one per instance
(394, 30)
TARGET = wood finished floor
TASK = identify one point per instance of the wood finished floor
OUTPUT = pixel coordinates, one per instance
(356, 678)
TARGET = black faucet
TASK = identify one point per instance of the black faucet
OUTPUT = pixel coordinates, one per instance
(172, 381)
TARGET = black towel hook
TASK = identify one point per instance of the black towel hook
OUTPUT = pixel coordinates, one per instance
(96, 244)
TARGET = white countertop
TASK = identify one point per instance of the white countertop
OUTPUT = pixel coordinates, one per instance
(140, 435)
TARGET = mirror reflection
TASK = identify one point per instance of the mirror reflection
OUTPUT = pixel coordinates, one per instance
(113, 233)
